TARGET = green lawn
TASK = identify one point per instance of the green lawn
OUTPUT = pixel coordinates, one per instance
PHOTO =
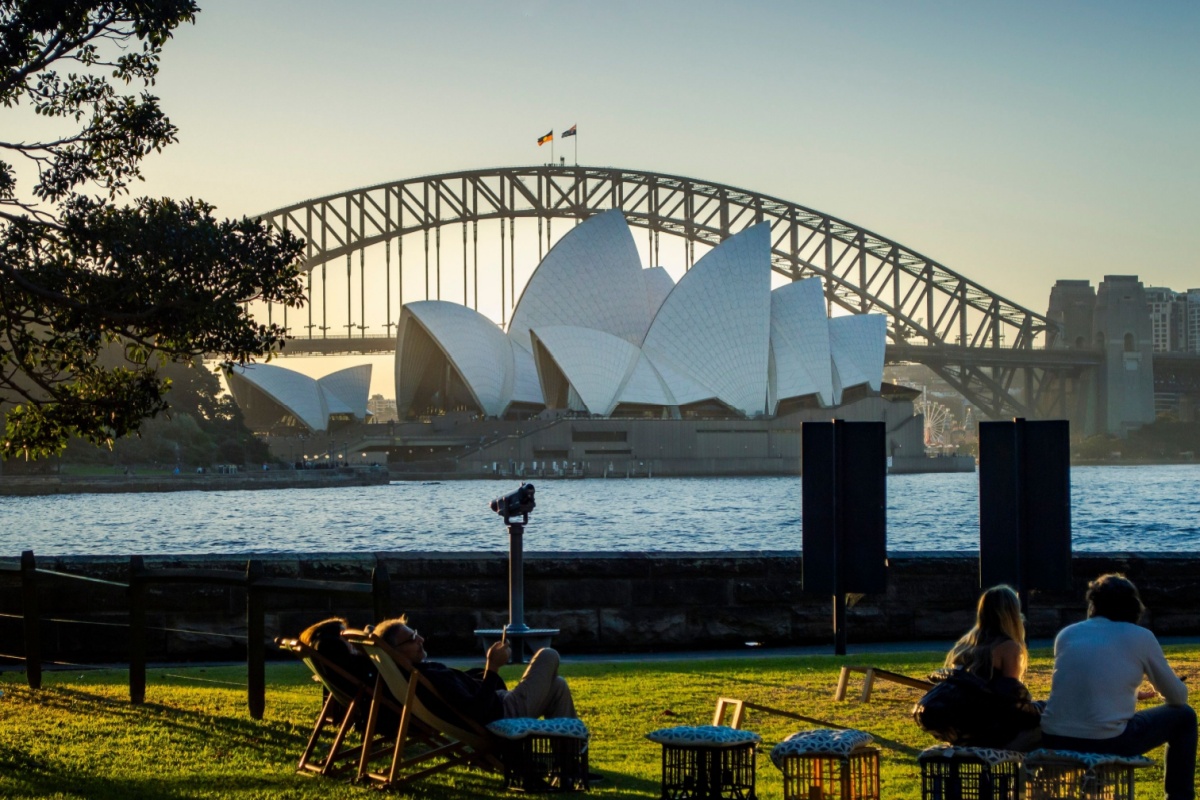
(78, 737)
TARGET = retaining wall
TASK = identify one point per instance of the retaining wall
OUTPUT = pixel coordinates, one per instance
(602, 602)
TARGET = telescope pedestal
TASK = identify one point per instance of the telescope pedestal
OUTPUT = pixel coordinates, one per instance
(520, 634)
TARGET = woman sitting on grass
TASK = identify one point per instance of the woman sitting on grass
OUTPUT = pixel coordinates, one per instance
(993, 652)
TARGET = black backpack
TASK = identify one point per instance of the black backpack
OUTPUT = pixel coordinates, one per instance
(961, 709)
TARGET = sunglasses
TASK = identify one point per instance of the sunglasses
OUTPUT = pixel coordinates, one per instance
(414, 636)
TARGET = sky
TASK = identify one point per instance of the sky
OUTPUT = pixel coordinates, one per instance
(1016, 142)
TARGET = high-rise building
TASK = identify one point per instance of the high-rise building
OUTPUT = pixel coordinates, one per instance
(1191, 303)
(1168, 319)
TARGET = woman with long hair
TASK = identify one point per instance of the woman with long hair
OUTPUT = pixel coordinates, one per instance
(995, 646)
(985, 703)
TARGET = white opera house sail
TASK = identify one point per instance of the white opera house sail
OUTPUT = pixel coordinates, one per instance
(597, 334)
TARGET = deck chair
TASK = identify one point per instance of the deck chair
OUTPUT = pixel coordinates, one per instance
(339, 756)
(451, 739)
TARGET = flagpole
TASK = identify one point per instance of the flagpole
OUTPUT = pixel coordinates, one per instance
(576, 138)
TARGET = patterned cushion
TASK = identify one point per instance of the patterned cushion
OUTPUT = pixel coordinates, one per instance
(520, 727)
(1088, 760)
(703, 736)
(822, 741)
(985, 754)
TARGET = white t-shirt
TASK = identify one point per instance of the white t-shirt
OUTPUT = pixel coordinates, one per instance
(1098, 666)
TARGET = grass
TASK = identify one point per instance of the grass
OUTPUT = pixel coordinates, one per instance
(78, 737)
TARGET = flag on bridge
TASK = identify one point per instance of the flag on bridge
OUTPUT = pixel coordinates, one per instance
(549, 137)
(569, 132)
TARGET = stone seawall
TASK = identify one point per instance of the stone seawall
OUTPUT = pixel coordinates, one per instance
(602, 602)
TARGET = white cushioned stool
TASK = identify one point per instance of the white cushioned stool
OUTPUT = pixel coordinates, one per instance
(969, 773)
(826, 764)
(1052, 774)
(543, 755)
(707, 762)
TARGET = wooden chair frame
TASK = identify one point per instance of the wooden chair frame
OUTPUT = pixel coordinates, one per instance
(448, 742)
(339, 757)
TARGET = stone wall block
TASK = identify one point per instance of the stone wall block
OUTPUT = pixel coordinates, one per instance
(698, 592)
(642, 629)
(586, 593)
(767, 591)
(733, 628)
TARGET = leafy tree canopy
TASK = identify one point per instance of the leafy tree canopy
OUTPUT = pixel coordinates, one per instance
(159, 280)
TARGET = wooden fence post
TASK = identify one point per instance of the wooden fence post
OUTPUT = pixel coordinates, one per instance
(33, 623)
(381, 591)
(137, 630)
(256, 681)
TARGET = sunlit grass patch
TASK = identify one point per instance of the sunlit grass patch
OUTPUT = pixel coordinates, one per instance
(79, 737)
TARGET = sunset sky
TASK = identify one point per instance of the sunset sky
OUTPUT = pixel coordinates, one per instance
(1014, 142)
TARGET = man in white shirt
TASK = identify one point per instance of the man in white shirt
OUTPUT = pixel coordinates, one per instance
(1098, 666)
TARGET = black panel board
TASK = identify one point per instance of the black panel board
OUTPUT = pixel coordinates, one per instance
(1046, 545)
(818, 520)
(999, 505)
(864, 510)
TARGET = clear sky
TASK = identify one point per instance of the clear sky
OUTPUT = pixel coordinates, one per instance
(1014, 142)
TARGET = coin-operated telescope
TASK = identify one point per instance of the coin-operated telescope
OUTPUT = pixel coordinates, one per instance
(515, 507)
(517, 503)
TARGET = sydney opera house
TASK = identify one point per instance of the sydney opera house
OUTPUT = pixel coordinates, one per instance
(594, 333)
(607, 366)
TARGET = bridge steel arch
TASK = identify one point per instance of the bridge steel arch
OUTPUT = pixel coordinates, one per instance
(972, 337)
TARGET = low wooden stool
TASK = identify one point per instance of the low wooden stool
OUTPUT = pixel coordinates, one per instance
(969, 773)
(543, 755)
(707, 762)
(1055, 774)
(826, 764)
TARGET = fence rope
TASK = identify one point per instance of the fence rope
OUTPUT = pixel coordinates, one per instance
(126, 625)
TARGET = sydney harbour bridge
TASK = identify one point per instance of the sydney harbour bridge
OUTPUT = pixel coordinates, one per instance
(468, 237)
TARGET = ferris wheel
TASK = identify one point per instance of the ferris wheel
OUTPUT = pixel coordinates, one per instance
(938, 420)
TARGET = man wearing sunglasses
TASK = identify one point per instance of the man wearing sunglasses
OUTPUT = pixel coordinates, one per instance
(482, 694)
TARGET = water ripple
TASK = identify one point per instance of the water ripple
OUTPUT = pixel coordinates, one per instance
(1113, 508)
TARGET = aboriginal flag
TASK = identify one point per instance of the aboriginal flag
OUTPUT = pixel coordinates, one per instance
(543, 139)
(568, 132)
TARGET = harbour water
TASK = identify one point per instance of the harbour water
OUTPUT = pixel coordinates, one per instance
(1114, 509)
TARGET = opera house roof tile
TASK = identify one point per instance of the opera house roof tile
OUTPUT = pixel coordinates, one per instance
(592, 279)
(716, 323)
(310, 402)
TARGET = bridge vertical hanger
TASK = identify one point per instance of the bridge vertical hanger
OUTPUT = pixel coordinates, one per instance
(466, 285)
(437, 236)
(308, 259)
(512, 256)
(349, 271)
(362, 268)
(503, 307)
(475, 257)
(387, 261)
(324, 276)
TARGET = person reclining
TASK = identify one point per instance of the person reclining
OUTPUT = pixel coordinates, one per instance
(482, 694)
(325, 638)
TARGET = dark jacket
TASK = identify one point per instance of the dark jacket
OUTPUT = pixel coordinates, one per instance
(471, 693)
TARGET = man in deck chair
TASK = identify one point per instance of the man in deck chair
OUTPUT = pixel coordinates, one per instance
(482, 694)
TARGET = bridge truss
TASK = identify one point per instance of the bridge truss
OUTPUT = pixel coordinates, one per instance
(977, 341)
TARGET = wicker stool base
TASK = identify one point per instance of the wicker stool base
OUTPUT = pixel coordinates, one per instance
(538, 764)
(708, 773)
(830, 777)
(961, 778)
(1057, 780)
